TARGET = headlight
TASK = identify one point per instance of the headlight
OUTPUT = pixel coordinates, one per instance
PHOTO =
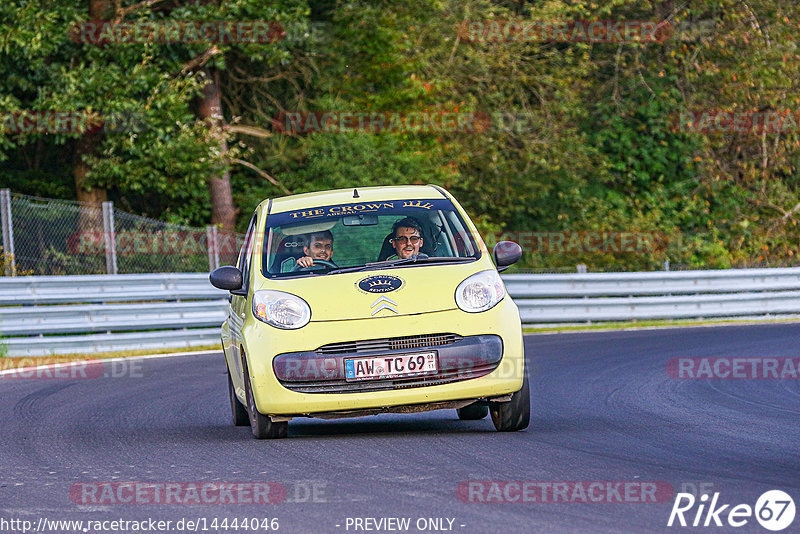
(281, 310)
(480, 292)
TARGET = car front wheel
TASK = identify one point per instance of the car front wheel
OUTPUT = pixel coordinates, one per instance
(261, 425)
(515, 414)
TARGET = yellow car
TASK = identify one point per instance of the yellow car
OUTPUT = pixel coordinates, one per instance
(371, 300)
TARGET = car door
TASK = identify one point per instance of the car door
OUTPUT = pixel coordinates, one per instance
(238, 301)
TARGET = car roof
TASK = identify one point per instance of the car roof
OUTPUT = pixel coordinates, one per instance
(346, 196)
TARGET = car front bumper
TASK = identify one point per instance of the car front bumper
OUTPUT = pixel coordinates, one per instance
(481, 372)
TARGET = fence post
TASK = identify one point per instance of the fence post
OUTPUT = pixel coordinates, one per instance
(8, 231)
(216, 247)
(109, 237)
(212, 241)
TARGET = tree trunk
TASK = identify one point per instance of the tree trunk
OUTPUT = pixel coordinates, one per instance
(210, 109)
(99, 9)
(90, 220)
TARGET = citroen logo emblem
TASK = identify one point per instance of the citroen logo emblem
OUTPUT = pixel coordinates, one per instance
(383, 303)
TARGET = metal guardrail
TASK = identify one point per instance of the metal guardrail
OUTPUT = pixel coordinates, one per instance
(113, 342)
(590, 297)
(41, 315)
(23, 290)
(33, 320)
(651, 283)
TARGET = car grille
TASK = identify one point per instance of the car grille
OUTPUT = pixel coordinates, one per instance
(342, 386)
(323, 370)
(392, 343)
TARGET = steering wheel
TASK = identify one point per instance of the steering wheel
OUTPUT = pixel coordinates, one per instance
(324, 263)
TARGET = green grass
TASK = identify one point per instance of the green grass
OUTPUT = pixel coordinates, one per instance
(633, 325)
(30, 361)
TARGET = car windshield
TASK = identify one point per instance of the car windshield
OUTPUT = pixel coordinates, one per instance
(365, 236)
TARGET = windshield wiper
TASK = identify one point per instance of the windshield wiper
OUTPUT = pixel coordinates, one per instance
(299, 274)
(406, 261)
(425, 259)
(348, 269)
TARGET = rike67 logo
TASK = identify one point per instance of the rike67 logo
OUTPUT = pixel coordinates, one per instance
(774, 510)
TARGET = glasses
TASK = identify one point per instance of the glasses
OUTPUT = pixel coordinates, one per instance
(402, 240)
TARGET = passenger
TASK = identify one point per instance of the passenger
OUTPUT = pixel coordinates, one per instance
(406, 238)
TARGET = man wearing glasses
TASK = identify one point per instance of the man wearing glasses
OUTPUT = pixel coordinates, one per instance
(407, 238)
(319, 246)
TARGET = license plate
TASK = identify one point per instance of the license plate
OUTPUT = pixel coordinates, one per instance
(393, 366)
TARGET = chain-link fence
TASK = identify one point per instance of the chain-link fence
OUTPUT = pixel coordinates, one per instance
(59, 237)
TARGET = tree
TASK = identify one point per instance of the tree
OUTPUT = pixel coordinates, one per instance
(165, 155)
(87, 143)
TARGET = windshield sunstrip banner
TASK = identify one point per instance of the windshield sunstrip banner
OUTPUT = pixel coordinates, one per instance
(384, 207)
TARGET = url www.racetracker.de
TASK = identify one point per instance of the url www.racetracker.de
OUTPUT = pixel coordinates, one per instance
(199, 524)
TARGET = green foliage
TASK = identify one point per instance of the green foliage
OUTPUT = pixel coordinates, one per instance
(593, 145)
(164, 153)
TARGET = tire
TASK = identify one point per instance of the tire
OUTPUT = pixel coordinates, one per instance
(515, 414)
(239, 412)
(260, 424)
(473, 412)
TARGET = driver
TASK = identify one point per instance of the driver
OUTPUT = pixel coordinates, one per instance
(319, 246)
(407, 238)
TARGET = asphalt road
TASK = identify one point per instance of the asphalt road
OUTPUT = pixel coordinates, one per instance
(604, 409)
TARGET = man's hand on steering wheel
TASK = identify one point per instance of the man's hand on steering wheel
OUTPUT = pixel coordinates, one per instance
(307, 262)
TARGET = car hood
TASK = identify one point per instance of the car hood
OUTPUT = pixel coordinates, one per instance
(379, 293)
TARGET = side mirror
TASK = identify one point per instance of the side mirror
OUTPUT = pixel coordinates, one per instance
(226, 277)
(506, 254)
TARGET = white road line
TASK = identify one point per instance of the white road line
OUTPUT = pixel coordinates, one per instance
(621, 328)
(49, 366)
